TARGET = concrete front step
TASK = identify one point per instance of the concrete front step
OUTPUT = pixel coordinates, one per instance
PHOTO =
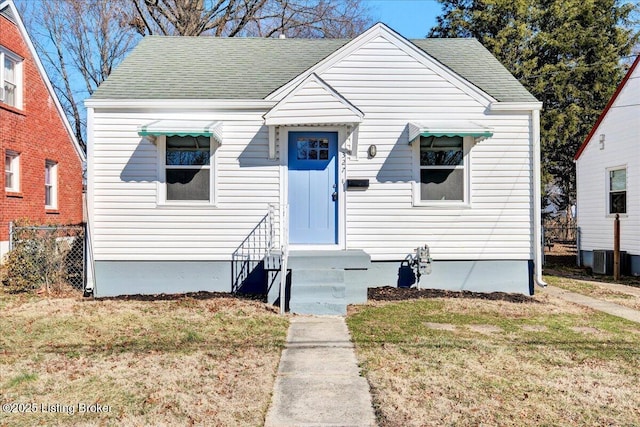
(317, 283)
(318, 308)
(318, 291)
(328, 259)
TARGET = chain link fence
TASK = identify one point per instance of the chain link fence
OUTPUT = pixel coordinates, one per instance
(45, 256)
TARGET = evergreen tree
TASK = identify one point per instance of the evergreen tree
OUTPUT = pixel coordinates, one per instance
(567, 53)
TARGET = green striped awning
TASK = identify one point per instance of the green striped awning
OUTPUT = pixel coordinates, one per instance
(206, 128)
(448, 128)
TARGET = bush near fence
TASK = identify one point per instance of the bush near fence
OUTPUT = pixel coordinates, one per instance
(44, 257)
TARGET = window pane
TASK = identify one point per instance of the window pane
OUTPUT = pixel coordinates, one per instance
(618, 202)
(9, 70)
(9, 93)
(303, 149)
(188, 150)
(442, 184)
(48, 200)
(618, 180)
(187, 184)
(441, 151)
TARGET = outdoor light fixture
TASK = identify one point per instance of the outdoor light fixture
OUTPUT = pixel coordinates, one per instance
(373, 150)
(602, 141)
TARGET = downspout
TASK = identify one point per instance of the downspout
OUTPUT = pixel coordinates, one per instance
(537, 196)
(88, 199)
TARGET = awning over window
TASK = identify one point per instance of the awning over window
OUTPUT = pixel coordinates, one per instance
(183, 128)
(448, 128)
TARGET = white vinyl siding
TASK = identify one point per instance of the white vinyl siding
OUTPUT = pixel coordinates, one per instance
(621, 130)
(129, 224)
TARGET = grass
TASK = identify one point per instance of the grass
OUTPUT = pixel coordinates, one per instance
(179, 362)
(456, 362)
(629, 297)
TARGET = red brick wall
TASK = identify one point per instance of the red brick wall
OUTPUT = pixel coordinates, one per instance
(37, 132)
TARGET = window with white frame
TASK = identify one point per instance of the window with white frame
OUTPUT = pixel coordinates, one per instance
(51, 185)
(442, 175)
(617, 190)
(12, 171)
(187, 169)
(10, 78)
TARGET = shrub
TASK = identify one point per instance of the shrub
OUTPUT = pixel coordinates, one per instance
(36, 260)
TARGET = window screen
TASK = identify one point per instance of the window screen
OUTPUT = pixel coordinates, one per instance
(188, 168)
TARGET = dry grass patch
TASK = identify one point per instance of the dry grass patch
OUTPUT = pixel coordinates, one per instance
(597, 290)
(540, 364)
(177, 362)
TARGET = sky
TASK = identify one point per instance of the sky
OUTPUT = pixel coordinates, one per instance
(411, 18)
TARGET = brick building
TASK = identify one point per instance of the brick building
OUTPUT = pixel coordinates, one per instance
(41, 157)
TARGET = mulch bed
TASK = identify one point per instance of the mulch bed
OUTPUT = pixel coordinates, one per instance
(201, 295)
(388, 293)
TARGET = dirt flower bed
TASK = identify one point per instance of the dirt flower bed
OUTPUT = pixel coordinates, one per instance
(388, 293)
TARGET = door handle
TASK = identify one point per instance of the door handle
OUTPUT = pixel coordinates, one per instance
(334, 196)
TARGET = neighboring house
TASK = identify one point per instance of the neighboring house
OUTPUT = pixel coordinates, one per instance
(367, 148)
(42, 161)
(608, 180)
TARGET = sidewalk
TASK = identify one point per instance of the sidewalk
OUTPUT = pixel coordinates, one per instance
(596, 304)
(319, 382)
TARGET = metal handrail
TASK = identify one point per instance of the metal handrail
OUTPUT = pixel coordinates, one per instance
(284, 246)
(254, 248)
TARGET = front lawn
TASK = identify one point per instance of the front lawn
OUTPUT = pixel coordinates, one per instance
(470, 362)
(74, 361)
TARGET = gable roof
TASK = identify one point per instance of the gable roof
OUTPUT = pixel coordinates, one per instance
(162, 67)
(334, 107)
(9, 11)
(607, 107)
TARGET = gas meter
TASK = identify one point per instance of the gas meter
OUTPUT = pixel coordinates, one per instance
(422, 261)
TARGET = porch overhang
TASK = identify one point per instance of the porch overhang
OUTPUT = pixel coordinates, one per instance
(206, 128)
(448, 128)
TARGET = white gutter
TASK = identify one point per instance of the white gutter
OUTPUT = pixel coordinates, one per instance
(537, 196)
(196, 104)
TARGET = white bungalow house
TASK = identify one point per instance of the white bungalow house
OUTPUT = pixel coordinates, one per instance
(209, 156)
(607, 178)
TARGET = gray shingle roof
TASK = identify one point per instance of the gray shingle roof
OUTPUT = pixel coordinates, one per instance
(471, 60)
(252, 68)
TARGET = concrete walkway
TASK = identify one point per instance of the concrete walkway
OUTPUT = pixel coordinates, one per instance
(596, 304)
(319, 382)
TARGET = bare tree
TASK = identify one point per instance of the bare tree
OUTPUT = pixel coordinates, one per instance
(262, 18)
(80, 42)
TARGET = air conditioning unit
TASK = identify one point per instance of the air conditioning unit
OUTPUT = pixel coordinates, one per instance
(603, 262)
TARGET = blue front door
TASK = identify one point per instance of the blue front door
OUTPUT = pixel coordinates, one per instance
(313, 190)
